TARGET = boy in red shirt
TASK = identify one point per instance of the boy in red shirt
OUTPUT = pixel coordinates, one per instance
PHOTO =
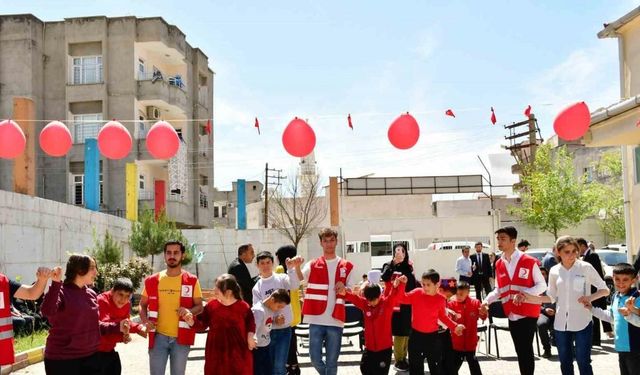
(427, 307)
(377, 311)
(114, 306)
(467, 311)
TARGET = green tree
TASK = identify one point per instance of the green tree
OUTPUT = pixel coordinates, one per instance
(553, 198)
(107, 251)
(149, 235)
(607, 194)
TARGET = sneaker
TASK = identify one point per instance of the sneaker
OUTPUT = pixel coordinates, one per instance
(401, 366)
(546, 354)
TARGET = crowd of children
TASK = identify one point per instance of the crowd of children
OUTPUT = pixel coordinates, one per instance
(257, 339)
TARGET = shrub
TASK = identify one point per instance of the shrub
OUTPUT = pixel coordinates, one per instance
(135, 269)
(109, 251)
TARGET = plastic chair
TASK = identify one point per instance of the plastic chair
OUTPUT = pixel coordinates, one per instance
(497, 312)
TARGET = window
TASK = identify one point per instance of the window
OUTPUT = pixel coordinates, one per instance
(86, 126)
(216, 211)
(141, 69)
(141, 182)
(87, 69)
(179, 131)
(204, 201)
(78, 190)
(224, 211)
(254, 187)
(204, 180)
(636, 153)
(380, 248)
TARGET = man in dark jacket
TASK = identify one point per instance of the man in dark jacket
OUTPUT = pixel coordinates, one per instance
(239, 269)
(592, 258)
(481, 266)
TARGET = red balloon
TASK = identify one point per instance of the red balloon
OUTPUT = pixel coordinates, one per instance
(298, 138)
(114, 140)
(55, 139)
(12, 140)
(404, 132)
(573, 122)
(162, 140)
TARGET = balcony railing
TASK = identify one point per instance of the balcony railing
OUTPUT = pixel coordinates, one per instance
(146, 195)
(155, 76)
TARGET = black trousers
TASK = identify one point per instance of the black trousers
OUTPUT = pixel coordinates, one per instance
(545, 330)
(472, 361)
(86, 365)
(109, 362)
(481, 282)
(448, 355)
(522, 332)
(375, 363)
(629, 363)
(292, 361)
(423, 345)
(606, 326)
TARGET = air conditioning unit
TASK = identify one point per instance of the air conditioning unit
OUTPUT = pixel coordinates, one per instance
(153, 112)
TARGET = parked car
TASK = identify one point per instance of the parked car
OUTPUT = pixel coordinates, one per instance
(610, 258)
(454, 245)
(615, 246)
(537, 253)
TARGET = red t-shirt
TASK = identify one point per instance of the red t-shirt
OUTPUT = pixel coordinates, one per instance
(427, 310)
(377, 320)
(112, 315)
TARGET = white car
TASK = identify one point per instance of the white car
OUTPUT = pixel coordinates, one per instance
(610, 258)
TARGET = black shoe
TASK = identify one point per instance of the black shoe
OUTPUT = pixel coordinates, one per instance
(547, 353)
(401, 366)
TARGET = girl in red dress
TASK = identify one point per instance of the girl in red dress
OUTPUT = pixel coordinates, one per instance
(231, 330)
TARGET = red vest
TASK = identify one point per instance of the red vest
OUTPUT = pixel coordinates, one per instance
(186, 334)
(522, 279)
(317, 292)
(6, 324)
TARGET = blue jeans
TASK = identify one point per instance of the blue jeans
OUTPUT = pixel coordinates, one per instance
(329, 337)
(262, 361)
(565, 343)
(279, 348)
(164, 348)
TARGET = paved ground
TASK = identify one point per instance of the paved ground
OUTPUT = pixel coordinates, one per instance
(134, 359)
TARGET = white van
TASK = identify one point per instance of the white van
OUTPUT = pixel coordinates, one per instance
(454, 245)
(380, 246)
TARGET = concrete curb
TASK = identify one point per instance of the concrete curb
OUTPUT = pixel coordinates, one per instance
(24, 359)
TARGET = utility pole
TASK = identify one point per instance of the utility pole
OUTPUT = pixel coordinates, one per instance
(266, 189)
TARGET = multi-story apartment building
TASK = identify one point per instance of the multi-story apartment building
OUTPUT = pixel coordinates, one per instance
(91, 69)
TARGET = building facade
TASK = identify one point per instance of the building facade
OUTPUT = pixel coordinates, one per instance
(617, 125)
(225, 204)
(91, 69)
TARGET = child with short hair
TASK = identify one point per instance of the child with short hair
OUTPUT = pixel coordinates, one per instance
(447, 288)
(263, 314)
(466, 311)
(427, 308)
(232, 330)
(114, 306)
(266, 284)
(621, 314)
(377, 311)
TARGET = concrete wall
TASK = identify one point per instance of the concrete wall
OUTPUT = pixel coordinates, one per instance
(221, 248)
(38, 232)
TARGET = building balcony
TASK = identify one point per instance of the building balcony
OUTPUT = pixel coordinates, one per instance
(172, 94)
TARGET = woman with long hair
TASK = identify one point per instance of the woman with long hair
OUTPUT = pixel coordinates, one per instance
(401, 320)
(71, 307)
(231, 330)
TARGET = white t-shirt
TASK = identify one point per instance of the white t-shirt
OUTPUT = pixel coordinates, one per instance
(264, 288)
(264, 320)
(325, 318)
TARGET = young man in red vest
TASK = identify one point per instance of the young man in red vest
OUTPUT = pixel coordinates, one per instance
(10, 289)
(516, 274)
(170, 300)
(323, 309)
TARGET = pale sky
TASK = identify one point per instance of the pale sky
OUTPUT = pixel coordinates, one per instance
(321, 60)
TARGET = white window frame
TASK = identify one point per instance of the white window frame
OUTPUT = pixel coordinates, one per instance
(142, 69)
(86, 70)
(86, 126)
(141, 182)
(80, 182)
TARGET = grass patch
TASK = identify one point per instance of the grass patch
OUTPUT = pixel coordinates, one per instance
(24, 343)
